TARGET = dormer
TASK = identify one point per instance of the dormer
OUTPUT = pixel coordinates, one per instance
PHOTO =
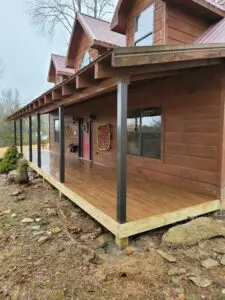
(90, 38)
(165, 22)
(57, 70)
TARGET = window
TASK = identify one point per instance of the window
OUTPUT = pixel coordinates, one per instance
(144, 27)
(56, 130)
(144, 133)
(86, 60)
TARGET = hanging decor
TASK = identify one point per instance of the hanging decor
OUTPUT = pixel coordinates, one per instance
(104, 137)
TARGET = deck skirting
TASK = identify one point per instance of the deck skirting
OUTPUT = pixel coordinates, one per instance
(124, 231)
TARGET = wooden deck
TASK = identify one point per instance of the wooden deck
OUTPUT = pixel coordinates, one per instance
(150, 204)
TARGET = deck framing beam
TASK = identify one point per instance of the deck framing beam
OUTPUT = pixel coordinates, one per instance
(62, 144)
(122, 95)
(39, 140)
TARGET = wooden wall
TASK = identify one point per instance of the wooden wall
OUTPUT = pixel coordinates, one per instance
(137, 7)
(182, 27)
(191, 129)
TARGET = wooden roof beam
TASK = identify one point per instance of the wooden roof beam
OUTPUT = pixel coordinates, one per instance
(104, 70)
(83, 81)
(56, 94)
(48, 98)
(68, 90)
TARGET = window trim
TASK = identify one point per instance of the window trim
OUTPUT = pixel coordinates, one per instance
(82, 61)
(150, 33)
(57, 141)
(140, 146)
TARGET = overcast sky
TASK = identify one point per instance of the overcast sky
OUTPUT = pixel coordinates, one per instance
(25, 54)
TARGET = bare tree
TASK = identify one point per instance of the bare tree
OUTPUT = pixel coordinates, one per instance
(9, 103)
(47, 15)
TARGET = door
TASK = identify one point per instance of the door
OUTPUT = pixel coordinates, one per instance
(86, 138)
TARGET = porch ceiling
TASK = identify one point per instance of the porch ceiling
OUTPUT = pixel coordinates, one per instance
(137, 63)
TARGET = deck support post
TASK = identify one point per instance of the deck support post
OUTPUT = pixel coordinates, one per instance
(122, 95)
(62, 145)
(39, 140)
(15, 133)
(122, 243)
(30, 139)
(21, 136)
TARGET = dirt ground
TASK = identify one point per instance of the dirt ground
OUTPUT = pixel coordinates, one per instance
(64, 254)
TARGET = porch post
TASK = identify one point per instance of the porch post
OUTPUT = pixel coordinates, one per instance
(14, 129)
(21, 136)
(122, 94)
(62, 144)
(30, 139)
(39, 140)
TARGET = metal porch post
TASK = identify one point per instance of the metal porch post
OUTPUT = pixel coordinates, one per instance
(39, 140)
(15, 133)
(122, 94)
(30, 139)
(21, 136)
(62, 145)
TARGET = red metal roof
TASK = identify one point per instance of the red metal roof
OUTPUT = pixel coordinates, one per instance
(59, 63)
(100, 31)
(215, 34)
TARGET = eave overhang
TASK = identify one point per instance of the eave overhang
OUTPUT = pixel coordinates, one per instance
(138, 63)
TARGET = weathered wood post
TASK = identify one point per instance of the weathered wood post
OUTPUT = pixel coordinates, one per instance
(15, 133)
(39, 140)
(62, 144)
(30, 140)
(21, 136)
(122, 95)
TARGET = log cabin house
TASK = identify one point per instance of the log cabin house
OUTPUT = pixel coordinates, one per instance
(137, 123)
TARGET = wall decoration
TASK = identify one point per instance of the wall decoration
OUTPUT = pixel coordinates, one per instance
(104, 137)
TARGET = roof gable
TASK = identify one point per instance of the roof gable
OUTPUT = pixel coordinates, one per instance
(58, 68)
(98, 33)
(214, 7)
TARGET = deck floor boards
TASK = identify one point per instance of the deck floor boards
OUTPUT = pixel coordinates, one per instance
(97, 184)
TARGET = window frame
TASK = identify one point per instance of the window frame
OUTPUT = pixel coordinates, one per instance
(150, 33)
(140, 114)
(82, 65)
(56, 133)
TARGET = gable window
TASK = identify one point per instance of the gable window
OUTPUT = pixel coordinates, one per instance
(144, 27)
(144, 133)
(56, 130)
(86, 60)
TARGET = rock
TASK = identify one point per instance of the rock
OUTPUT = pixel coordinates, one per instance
(35, 228)
(27, 220)
(56, 230)
(167, 256)
(16, 193)
(177, 271)
(195, 253)
(210, 263)
(37, 181)
(219, 248)
(11, 177)
(223, 260)
(51, 212)
(74, 229)
(36, 233)
(22, 172)
(44, 239)
(193, 232)
(7, 212)
(223, 292)
(195, 272)
(201, 282)
(131, 250)
(38, 220)
(20, 198)
(14, 215)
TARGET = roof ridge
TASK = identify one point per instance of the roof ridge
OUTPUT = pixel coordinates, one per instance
(97, 19)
